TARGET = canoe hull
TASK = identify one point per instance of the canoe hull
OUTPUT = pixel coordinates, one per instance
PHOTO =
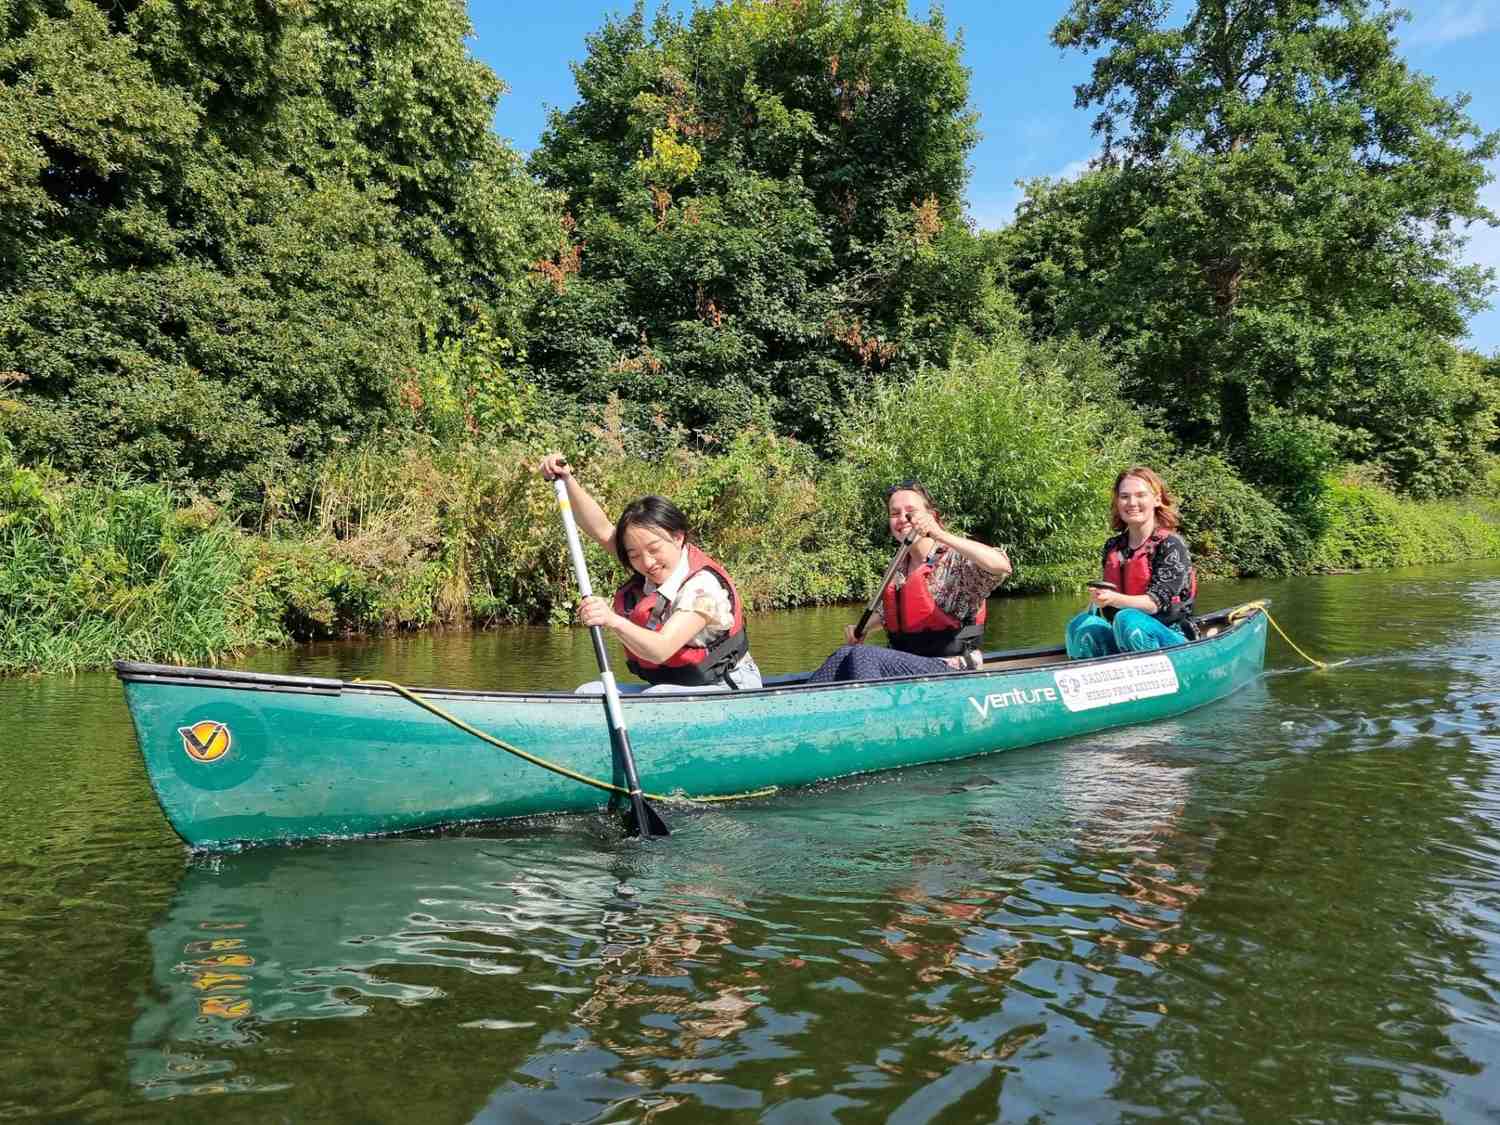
(236, 758)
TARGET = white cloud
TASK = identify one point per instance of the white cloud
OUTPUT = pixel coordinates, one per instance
(1073, 169)
(1450, 21)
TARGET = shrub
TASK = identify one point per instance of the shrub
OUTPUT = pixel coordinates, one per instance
(1013, 450)
(1290, 456)
(94, 573)
(1368, 526)
(1234, 530)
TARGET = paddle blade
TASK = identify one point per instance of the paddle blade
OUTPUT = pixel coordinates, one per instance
(643, 813)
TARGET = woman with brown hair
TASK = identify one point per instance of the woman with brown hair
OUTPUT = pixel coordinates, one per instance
(933, 609)
(1145, 600)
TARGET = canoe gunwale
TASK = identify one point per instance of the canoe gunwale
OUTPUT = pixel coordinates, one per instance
(131, 671)
(139, 672)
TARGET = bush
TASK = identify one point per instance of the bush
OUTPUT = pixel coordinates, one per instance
(1368, 526)
(1234, 530)
(1290, 456)
(93, 573)
(1014, 451)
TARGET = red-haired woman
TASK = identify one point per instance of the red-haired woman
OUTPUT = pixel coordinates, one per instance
(1148, 603)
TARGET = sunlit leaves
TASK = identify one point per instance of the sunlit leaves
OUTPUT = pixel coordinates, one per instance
(1272, 224)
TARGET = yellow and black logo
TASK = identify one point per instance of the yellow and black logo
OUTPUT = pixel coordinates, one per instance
(205, 741)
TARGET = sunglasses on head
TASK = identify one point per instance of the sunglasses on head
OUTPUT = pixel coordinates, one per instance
(905, 486)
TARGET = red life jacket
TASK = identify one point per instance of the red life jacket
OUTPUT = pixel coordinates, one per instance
(1133, 577)
(915, 624)
(691, 665)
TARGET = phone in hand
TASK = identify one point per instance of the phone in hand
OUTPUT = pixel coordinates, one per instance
(1100, 584)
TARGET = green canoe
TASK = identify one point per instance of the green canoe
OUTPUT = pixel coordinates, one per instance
(241, 758)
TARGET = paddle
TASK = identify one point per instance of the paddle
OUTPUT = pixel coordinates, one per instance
(890, 572)
(642, 817)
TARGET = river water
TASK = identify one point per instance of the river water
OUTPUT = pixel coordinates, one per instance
(1283, 907)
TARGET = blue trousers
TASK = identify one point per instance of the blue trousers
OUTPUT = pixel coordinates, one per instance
(871, 662)
(1090, 635)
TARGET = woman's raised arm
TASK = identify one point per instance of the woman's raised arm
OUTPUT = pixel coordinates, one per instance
(596, 525)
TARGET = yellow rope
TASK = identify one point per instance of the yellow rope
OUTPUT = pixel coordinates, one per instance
(564, 771)
(1239, 613)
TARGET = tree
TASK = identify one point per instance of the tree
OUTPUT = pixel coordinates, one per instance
(226, 231)
(1275, 220)
(768, 209)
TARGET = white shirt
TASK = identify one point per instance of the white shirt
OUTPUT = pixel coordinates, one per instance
(704, 594)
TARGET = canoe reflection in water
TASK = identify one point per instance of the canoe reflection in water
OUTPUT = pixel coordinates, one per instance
(559, 973)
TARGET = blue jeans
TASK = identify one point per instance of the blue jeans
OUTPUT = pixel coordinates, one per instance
(1089, 635)
(871, 662)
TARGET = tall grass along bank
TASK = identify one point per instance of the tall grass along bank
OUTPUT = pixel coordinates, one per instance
(404, 537)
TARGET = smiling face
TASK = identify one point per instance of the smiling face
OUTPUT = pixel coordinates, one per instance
(902, 505)
(652, 551)
(1135, 501)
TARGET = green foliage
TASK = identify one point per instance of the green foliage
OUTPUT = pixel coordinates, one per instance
(467, 388)
(23, 497)
(1012, 449)
(1275, 222)
(89, 574)
(1367, 526)
(263, 214)
(1290, 457)
(768, 207)
(1233, 528)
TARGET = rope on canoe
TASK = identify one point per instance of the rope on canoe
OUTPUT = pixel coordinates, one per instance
(564, 771)
(1239, 613)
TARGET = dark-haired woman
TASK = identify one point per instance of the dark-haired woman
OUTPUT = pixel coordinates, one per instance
(679, 617)
(1150, 569)
(933, 609)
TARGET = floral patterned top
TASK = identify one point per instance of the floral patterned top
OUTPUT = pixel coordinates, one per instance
(703, 594)
(959, 585)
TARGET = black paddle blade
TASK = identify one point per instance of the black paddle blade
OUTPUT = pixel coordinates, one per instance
(642, 812)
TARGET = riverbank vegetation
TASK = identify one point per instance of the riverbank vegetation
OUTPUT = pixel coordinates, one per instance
(284, 326)
(419, 536)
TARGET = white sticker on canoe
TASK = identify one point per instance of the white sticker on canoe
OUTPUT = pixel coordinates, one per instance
(1103, 685)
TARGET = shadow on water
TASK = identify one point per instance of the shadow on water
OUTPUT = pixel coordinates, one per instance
(1284, 906)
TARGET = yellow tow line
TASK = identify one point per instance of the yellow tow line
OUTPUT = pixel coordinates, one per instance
(1239, 613)
(564, 771)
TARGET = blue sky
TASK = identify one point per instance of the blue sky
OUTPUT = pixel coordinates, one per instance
(1021, 86)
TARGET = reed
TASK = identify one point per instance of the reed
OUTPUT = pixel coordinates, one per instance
(92, 573)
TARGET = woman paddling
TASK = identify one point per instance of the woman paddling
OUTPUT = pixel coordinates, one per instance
(1146, 599)
(933, 608)
(679, 617)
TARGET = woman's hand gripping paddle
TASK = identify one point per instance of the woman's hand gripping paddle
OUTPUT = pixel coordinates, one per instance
(641, 818)
(890, 572)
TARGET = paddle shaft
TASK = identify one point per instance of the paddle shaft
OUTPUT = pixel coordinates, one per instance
(646, 818)
(890, 572)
